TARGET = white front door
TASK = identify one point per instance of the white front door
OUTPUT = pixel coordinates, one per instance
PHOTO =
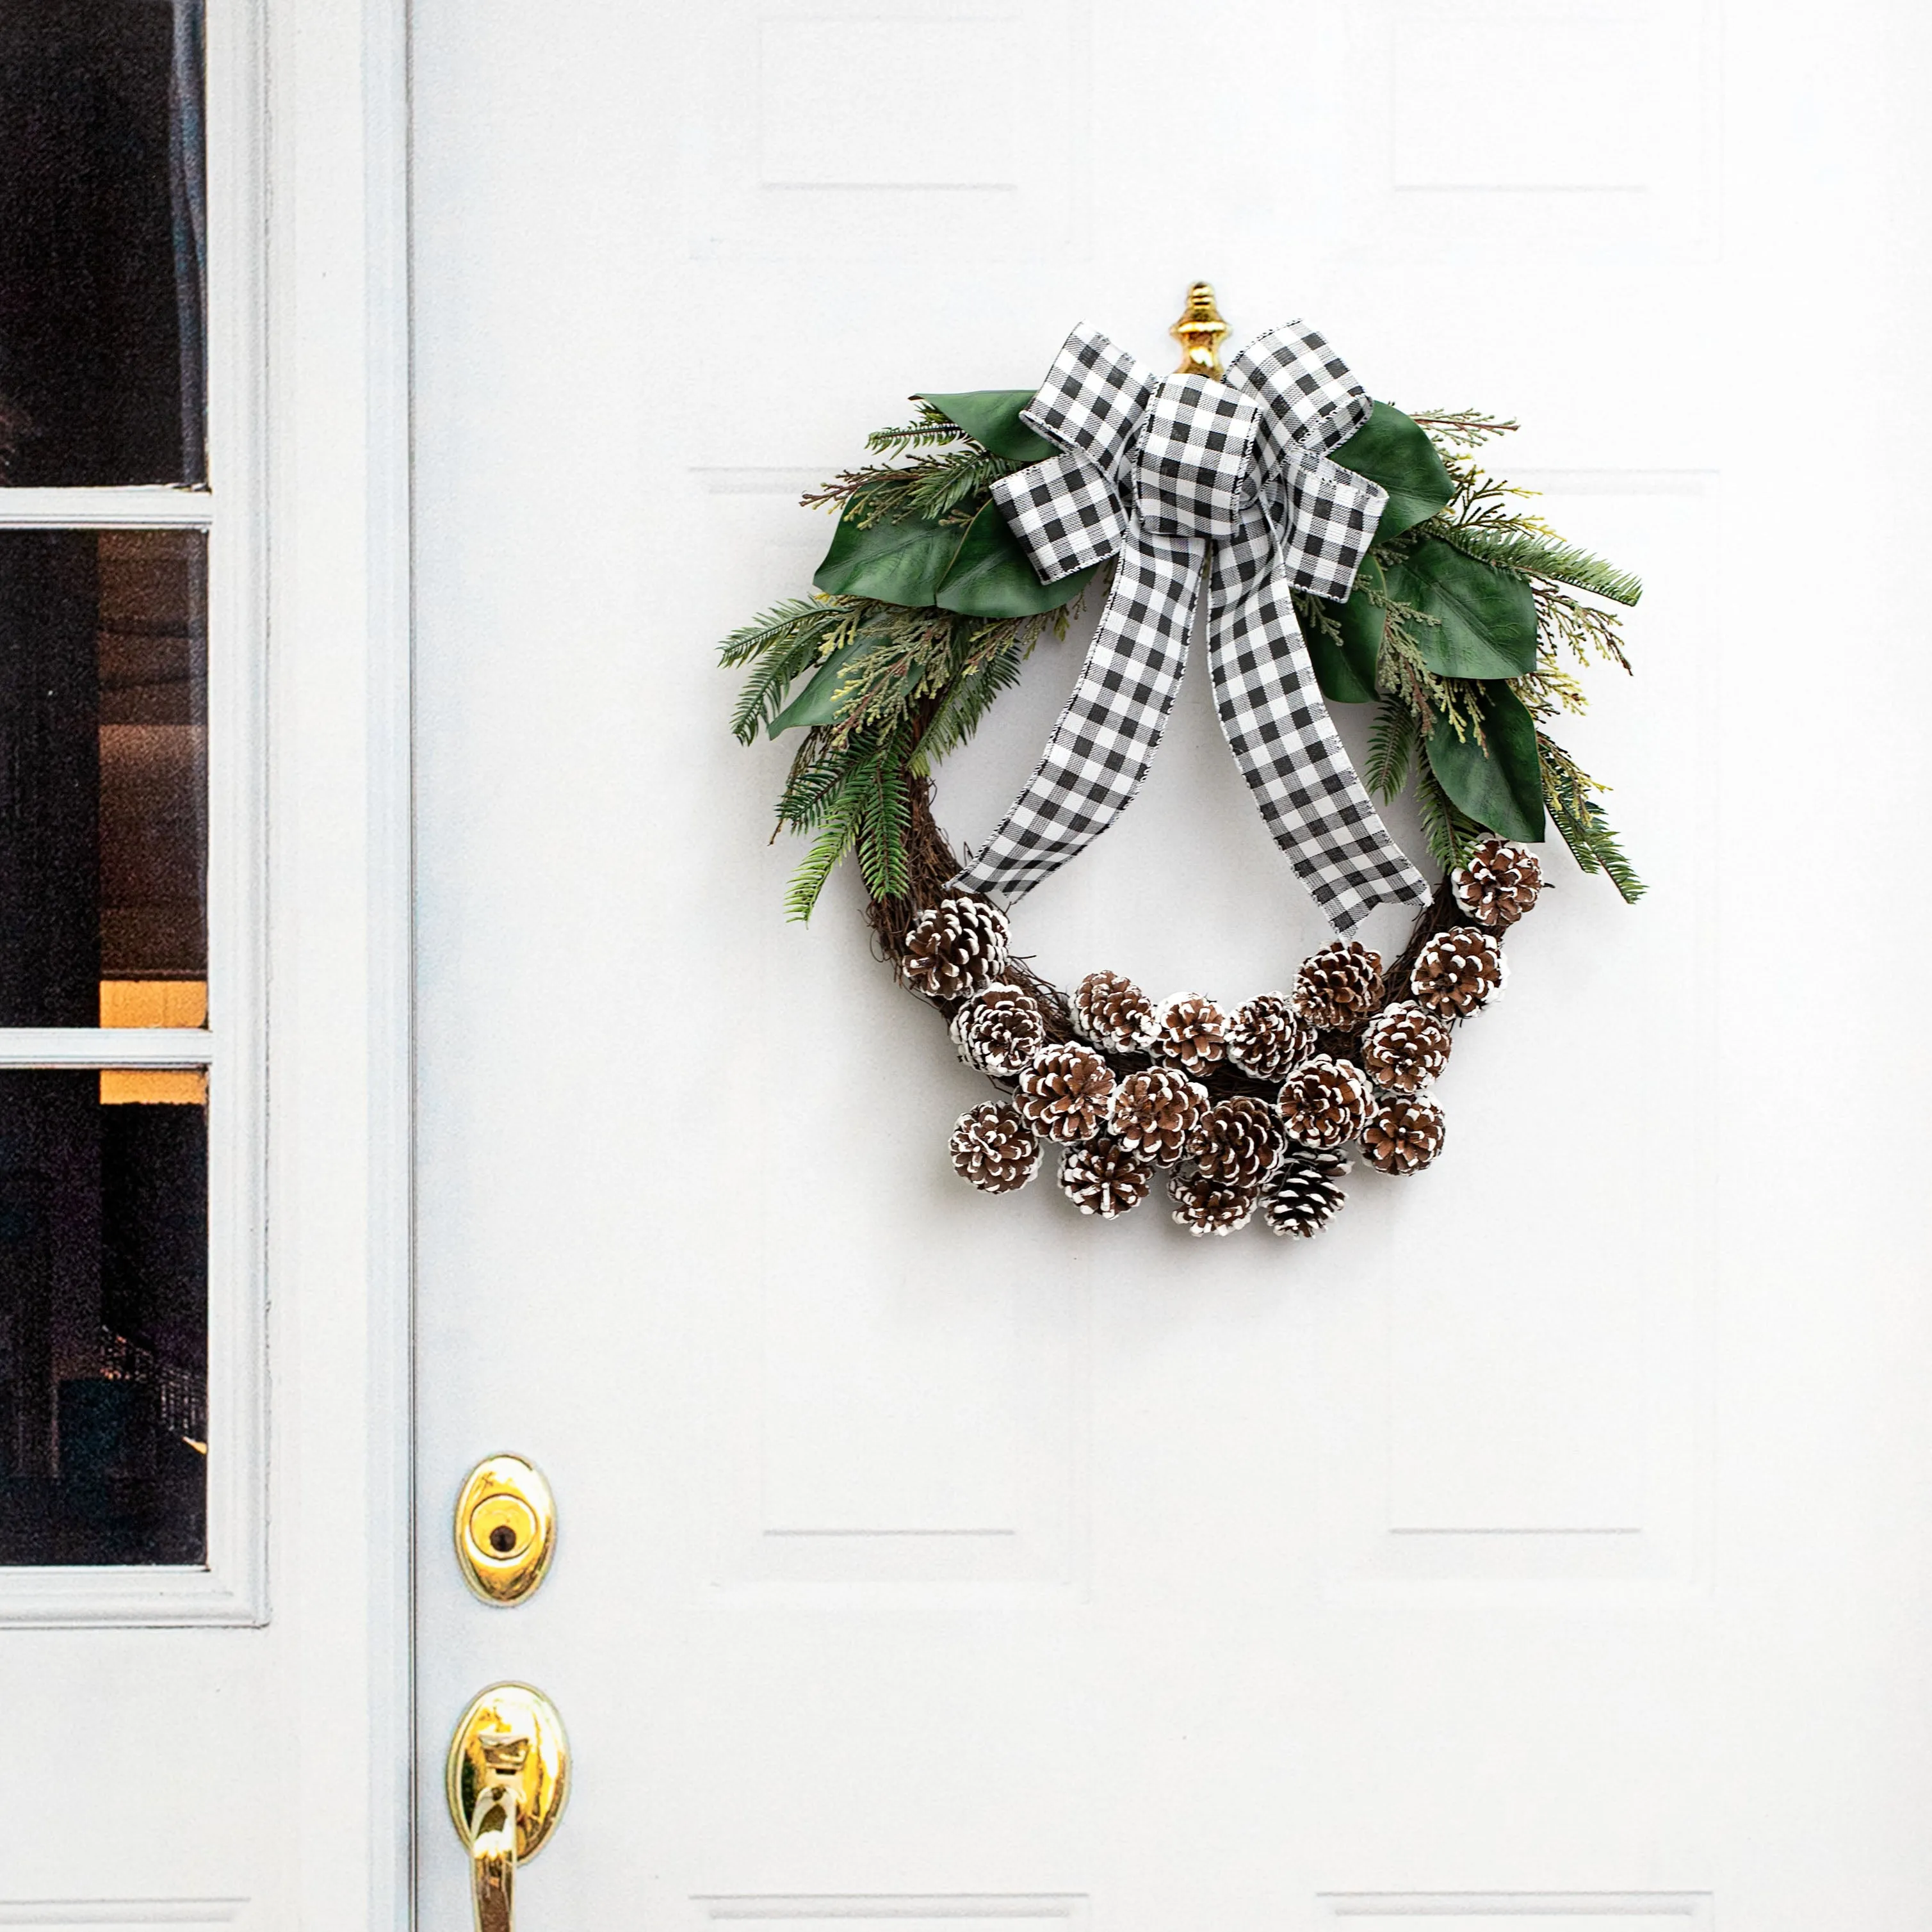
(1546, 1544)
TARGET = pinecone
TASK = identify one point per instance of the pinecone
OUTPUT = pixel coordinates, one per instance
(998, 1029)
(1064, 1091)
(1193, 1033)
(1405, 1134)
(1499, 883)
(1327, 1102)
(1239, 1142)
(1155, 1113)
(1458, 971)
(955, 949)
(994, 1148)
(1205, 1206)
(1338, 987)
(1102, 1177)
(1110, 1010)
(1268, 1038)
(1405, 1046)
(1304, 1194)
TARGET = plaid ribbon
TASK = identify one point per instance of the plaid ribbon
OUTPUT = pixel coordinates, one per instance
(1175, 476)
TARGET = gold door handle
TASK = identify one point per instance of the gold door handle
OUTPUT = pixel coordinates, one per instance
(507, 1777)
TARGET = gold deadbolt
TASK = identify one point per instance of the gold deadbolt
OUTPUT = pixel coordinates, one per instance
(506, 1529)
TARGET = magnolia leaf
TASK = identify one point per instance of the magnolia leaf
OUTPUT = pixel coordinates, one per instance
(902, 561)
(814, 705)
(991, 577)
(1486, 619)
(1345, 668)
(1500, 787)
(992, 417)
(1394, 450)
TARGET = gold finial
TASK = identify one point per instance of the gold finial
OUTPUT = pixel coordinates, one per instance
(1199, 332)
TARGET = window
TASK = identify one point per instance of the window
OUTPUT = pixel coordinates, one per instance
(130, 645)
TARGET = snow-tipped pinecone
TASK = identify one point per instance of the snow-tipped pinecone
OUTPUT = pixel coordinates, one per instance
(1499, 883)
(995, 1149)
(1405, 1046)
(1155, 1113)
(1193, 1033)
(1205, 1206)
(1458, 971)
(1304, 1194)
(1110, 1010)
(1240, 1141)
(955, 948)
(1268, 1038)
(1327, 1102)
(1064, 1091)
(1405, 1134)
(1101, 1177)
(1338, 987)
(998, 1029)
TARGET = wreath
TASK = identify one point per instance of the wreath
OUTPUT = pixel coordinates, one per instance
(1349, 553)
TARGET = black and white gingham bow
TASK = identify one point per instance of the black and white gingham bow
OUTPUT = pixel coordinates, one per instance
(1169, 474)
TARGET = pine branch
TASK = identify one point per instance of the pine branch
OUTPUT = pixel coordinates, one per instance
(1448, 835)
(1568, 791)
(931, 426)
(785, 640)
(1391, 744)
(1531, 554)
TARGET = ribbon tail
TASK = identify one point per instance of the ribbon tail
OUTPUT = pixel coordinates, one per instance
(1106, 737)
(1278, 727)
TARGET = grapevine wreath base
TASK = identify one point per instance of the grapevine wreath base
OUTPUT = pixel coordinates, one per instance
(1354, 555)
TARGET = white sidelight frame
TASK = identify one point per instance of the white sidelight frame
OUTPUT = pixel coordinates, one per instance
(309, 1145)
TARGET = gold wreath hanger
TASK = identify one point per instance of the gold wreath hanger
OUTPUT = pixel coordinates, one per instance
(1199, 332)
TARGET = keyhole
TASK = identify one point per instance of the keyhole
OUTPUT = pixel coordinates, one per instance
(503, 1539)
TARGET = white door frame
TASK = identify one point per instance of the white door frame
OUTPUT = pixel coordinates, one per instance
(338, 1234)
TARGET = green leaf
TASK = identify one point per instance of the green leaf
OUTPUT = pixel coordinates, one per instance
(1501, 788)
(991, 577)
(1394, 450)
(1486, 625)
(813, 705)
(1345, 640)
(991, 418)
(898, 563)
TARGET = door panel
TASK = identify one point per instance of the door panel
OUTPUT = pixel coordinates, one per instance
(1537, 1546)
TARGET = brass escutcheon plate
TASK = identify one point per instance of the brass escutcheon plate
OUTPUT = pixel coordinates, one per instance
(510, 1735)
(506, 1529)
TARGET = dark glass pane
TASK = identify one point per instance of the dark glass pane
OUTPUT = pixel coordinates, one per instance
(103, 227)
(103, 778)
(104, 1318)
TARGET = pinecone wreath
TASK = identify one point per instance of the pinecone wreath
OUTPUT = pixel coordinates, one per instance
(1155, 1113)
(1193, 1033)
(1458, 972)
(1104, 1178)
(1405, 1046)
(1338, 987)
(1304, 1193)
(1239, 1141)
(1327, 1102)
(1405, 1134)
(1205, 1206)
(1111, 1013)
(1268, 1039)
(955, 949)
(1065, 1091)
(998, 1029)
(994, 1150)
(1499, 882)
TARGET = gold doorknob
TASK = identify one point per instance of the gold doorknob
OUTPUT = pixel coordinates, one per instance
(507, 1777)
